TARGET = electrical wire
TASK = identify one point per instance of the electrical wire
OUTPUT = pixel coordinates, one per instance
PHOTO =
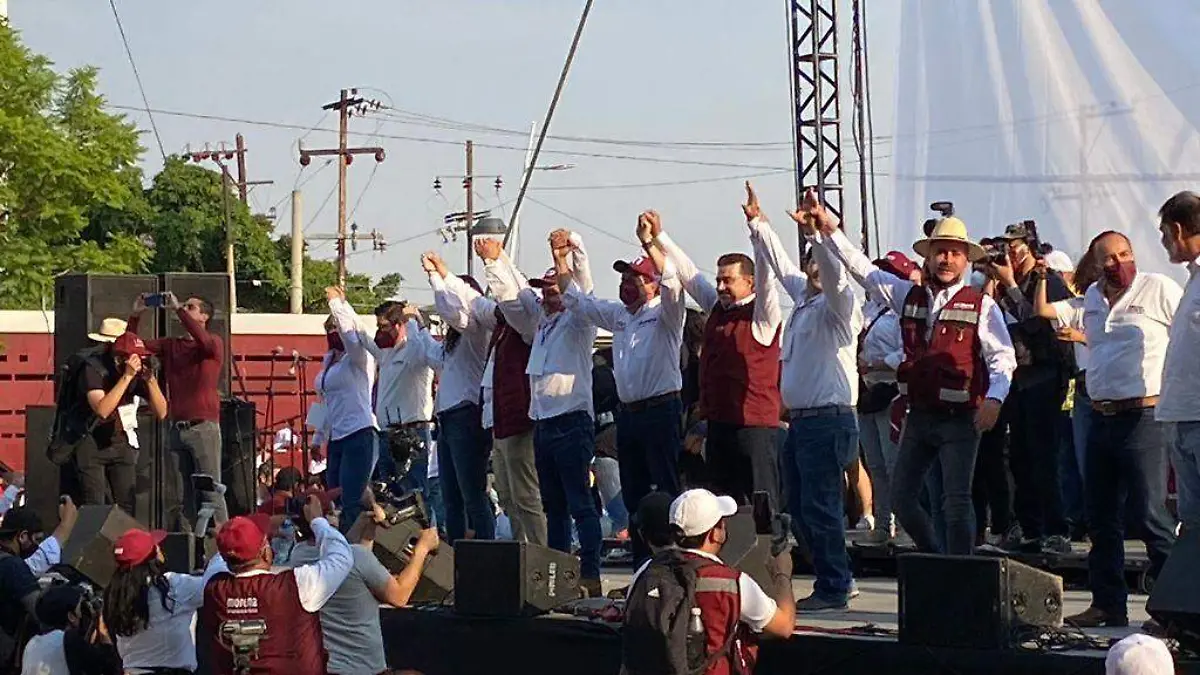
(866, 57)
(138, 78)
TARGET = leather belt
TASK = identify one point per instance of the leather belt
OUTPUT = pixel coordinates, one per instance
(638, 406)
(820, 411)
(187, 424)
(1108, 408)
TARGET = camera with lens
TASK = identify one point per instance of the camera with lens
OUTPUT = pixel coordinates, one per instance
(406, 445)
(398, 508)
(243, 638)
(997, 251)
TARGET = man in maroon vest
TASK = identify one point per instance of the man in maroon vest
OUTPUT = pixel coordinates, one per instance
(258, 620)
(739, 369)
(957, 368)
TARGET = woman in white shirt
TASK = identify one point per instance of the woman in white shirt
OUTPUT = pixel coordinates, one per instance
(345, 382)
(150, 611)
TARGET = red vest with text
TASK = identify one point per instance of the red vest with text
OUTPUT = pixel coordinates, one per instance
(510, 384)
(292, 645)
(720, 604)
(944, 372)
(739, 378)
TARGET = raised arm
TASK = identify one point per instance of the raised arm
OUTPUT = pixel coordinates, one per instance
(601, 313)
(459, 305)
(210, 344)
(580, 264)
(359, 347)
(509, 288)
(674, 306)
(812, 218)
(318, 581)
(701, 289)
(135, 319)
(768, 247)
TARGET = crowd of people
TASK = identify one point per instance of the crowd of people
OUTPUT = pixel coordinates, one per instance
(996, 394)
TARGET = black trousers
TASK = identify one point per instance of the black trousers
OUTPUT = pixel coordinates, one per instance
(744, 460)
(1034, 449)
(107, 475)
(992, 490)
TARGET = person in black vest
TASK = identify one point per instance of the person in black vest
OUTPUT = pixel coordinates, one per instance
(256, 618)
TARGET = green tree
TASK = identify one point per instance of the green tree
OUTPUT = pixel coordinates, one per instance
(62, 158)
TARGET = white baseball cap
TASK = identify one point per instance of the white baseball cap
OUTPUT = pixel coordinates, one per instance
(1059, 261)
(1139, 654)
(698, 511)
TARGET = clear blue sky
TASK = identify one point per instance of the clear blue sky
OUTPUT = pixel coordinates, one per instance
(707, 70)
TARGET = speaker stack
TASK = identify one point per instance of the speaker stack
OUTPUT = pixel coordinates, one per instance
(393, 547)
(512, 578)
(82, 301)
(1175, 599)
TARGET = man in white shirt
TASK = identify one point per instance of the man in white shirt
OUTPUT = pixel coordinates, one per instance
(1180, 402)
(957, 370)
(1126, 317)
(403, 390)
(819, 386)
(560, 381)
(647, 330)
(739, 371)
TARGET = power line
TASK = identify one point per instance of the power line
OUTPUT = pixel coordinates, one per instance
(138, 77)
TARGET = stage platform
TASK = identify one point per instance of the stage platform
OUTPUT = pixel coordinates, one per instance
(861, 640)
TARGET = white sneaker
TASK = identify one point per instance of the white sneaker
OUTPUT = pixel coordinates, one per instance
(866, 523)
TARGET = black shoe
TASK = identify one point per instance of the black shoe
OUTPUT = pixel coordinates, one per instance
(813, 603)
(1094, 617)
(1056, 545)
(1011, 540)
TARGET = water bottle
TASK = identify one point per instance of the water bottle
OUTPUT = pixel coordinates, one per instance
(696, 640)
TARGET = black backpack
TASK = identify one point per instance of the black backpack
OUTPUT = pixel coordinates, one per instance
(73, 416)
(658, 609)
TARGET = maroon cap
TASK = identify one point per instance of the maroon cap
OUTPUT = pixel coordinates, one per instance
(137, 546)
(242, 538)
(550, 278)
(640, 265)
(896, 263)
(129, 344)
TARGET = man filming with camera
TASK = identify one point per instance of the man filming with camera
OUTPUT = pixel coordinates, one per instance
(256, 618)
(1045, 365)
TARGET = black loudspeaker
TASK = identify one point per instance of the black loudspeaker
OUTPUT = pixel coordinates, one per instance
(89, 549)
(82, 301)
(973, 602)
(43, 478)
(1175, 599)
(393, 547)
(213, 288)
(512, 578)
(238, 433)
(745, 549)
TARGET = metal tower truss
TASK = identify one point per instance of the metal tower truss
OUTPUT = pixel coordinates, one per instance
(816, 106)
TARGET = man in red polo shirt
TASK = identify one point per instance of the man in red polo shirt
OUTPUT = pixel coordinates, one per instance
(192, 365)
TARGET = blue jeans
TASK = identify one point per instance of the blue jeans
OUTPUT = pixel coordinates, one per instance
(933, 495)
(462, 470)
(1126, 483)
(351, 461)
(1070, 475)
(648, 445)
(949, 440)
(818, 450)
(1081, 425)
(608, 480)
(563, 447)
(1185, 450)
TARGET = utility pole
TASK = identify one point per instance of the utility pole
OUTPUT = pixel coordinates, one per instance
(296, 292)
(230, 269)
(469, 186)
(348, 102)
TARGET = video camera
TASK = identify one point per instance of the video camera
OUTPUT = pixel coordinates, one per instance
(242, 638)
(946, 209)
(406, 445)
(401, 508)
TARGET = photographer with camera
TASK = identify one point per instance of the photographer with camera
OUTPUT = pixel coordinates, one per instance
(192, 368)
(149, 610)
(106, 459)
(1045, 366)
(350, 619)
(265, 620)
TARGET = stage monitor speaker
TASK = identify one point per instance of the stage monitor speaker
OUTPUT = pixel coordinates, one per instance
(512, 578)
(745, 549)
(393, 546)
(1175, 599)
(82, 301)
(89, 549)
(973, 602)
(239, 430)
(213, 288)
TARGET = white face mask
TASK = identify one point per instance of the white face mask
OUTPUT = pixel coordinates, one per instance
(978, 279)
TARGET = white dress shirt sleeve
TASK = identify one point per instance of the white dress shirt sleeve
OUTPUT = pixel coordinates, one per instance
(768, 246)
(581, 268)
(839, 297)
(47, 555)
(318, 581)
(516, 300)
(188, 589)
(451, 307)
(358, 344)
(674, 306)
(701, 289)
(884, 287)
(1069, 313)
(426, 350)
(602, 313)
(1170, 295)
(480, 310)
(9, 498)
(768, 308)
(997, 349)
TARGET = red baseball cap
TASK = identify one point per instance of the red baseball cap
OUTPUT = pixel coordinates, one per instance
(242, 538)
(129, 344)
(137, 546)
(896, 263)
(640, 265)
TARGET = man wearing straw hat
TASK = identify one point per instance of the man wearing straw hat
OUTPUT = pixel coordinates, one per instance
(958, 365)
